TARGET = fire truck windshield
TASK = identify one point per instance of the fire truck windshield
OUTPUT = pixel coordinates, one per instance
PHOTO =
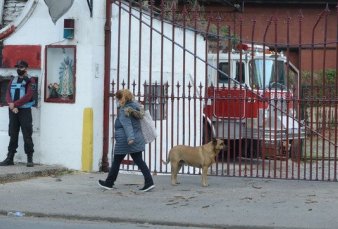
(267, 74)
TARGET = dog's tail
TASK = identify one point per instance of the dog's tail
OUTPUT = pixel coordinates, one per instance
(168, 160)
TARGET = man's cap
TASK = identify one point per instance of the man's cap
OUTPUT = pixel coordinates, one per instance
(21, 64)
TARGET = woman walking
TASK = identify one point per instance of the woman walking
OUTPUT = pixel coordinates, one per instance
(128, 140)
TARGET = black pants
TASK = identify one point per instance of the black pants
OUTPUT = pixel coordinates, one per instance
(23, 120)
(137, 158)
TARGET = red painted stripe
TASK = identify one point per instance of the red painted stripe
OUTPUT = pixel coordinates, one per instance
(30, 53)
(7, 32)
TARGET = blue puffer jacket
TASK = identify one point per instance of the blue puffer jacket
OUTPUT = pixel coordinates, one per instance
(128, 127)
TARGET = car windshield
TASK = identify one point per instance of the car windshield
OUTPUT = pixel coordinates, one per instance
(267, 74)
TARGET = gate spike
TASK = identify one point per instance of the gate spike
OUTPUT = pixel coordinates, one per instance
(173, 6)
(185, 11)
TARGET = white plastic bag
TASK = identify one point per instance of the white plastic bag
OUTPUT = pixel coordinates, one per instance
(148, 127)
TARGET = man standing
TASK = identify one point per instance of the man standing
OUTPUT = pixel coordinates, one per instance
(19, 97)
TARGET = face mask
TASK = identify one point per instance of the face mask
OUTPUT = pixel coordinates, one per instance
(20, 72)
(117, 104)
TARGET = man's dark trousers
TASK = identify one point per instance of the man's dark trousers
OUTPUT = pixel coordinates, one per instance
(22, 119)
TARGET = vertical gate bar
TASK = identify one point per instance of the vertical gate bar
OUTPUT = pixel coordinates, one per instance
(276, 103)
(330, 136)
(225, 153)
(218, 19)
(189, 122)
(184, 72)
(201, 98)
(228, 151)
(184, 69)
(251, 143)
(139, 55)
(162, 99)
(205, 134)
(335, 102)
(295, 105)
(269, 103)
(205, 128)
(113, 108)
(311, 102)
(106, 89)
(150, 87)
(195, 69)
(167, 115)
(241, 100)
(318, 126)
(156, 118)
(312, 84)
(128, 60)
(177, 113)
(324, 97)
(288, 100)
(251, 113)
(129, 44)
(173, 9)
(119, 46)
(300, 102)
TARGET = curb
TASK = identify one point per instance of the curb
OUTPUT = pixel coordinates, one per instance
(38, 171)
(137, 221)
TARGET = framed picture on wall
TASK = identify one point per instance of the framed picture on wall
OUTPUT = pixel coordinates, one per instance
(60, 73)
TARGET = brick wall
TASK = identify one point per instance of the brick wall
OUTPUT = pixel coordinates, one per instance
(277, 32)
(12, 9)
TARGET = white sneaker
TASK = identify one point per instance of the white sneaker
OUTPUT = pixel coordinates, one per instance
(147, 188)
(104, 185)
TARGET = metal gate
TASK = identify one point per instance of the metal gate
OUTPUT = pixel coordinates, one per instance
(268, 89)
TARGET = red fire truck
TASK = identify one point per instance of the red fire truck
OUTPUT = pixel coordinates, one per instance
(252, 102)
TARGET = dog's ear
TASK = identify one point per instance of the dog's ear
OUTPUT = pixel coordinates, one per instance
(214, 141)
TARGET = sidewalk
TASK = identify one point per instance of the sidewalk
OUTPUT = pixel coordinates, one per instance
(20, 172)
(227, 203)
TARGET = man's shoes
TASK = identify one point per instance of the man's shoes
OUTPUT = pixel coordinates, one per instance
(147, 187)
(105, 185)
(30, 161)
(7, 162)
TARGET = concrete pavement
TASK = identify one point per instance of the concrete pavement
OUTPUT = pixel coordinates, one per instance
(228, 202)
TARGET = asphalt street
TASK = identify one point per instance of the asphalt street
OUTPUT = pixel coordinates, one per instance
(228, 202)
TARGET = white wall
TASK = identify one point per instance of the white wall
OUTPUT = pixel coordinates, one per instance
(58, 140)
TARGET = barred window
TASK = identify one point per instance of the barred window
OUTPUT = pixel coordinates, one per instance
(155, 99)
(224, 69)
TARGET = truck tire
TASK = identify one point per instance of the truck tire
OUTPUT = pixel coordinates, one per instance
(252, 148)
(296, 150)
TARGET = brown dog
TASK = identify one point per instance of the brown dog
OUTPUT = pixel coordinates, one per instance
(200, 157)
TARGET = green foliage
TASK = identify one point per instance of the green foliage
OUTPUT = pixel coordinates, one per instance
(331, 76)
(317, 79)
(313, 85)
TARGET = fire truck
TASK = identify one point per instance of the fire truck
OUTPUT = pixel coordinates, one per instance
(251, 102)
